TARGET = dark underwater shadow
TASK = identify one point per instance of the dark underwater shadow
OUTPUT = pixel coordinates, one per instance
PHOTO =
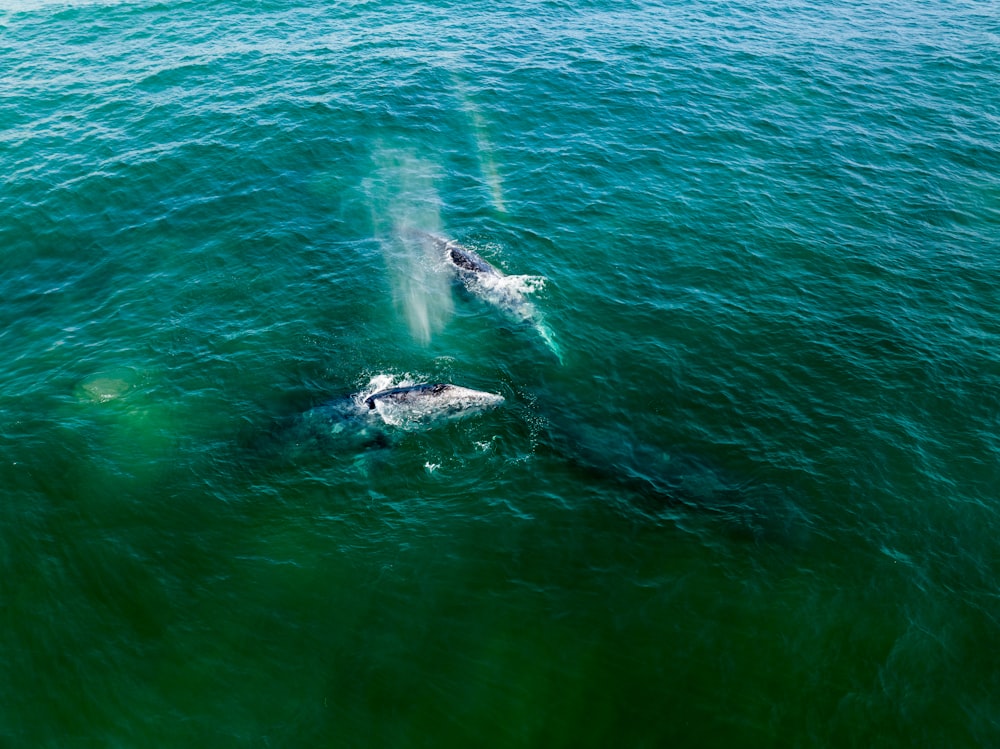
(656, 483)
(300, 439)
(671, 484)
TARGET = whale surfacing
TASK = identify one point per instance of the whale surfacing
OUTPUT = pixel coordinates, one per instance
(509, 294)
(416, 405)
(466, 260)
(369, 418)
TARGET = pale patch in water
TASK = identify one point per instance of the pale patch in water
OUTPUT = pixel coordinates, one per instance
(104, 387)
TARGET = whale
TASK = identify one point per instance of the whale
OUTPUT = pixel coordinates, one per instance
(507, 293)
(366, 420)
(413, 406)
(673, 483)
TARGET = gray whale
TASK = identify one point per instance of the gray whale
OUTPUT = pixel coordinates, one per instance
(411, 406)
(509, 294)
(363, 420)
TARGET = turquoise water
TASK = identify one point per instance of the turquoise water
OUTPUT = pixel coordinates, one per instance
(752, 501)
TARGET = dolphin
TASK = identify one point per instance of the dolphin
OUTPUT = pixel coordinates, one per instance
(509, 294)
(362, 420)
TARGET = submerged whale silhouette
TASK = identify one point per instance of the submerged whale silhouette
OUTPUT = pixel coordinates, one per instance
(365, 420)
(509, 294)
(671, 482)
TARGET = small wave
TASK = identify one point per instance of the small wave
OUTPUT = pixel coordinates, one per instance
(32, 6)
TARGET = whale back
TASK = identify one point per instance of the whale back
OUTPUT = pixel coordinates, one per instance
(468, 260)
(415, 405)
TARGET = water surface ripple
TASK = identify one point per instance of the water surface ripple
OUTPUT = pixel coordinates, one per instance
(752, 501)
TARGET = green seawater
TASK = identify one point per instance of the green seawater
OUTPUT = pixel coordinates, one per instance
(745, 494)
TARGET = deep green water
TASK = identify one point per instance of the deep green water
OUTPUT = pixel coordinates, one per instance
(755, 504)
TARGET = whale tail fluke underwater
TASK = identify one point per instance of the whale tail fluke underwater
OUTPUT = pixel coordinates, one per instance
(507, 293)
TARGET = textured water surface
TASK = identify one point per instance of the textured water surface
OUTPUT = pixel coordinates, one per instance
(742, 486)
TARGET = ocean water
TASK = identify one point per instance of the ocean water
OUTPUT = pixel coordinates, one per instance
(742, 492)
